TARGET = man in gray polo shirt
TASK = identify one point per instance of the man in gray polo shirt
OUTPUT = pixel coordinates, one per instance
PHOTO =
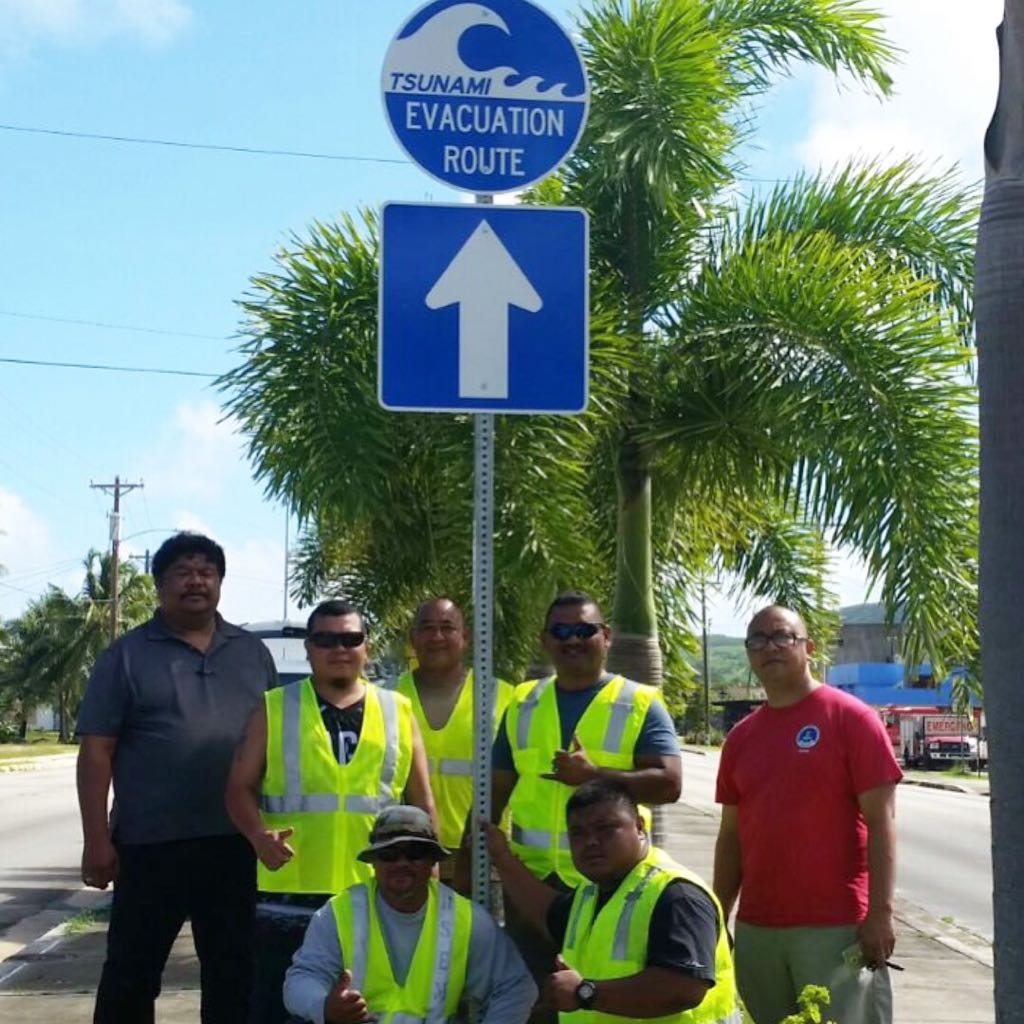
(164, 708)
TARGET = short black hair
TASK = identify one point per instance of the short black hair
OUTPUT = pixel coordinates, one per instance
(333, 607)
(571, 599)
(600, 791)
(184, 545)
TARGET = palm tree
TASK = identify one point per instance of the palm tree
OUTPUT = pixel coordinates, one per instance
(56, 641)
(767, 373)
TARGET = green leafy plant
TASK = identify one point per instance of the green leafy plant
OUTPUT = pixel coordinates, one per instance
(812, 1001)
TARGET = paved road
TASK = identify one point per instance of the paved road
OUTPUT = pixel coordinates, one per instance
(945, 841)
(944, 855)
(40, 842)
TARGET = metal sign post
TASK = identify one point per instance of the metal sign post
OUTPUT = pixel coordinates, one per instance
(486, 97)
(483, 649)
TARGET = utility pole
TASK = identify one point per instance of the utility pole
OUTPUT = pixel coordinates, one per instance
(117, 488)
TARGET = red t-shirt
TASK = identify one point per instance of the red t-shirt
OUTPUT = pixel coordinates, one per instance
(794, 775)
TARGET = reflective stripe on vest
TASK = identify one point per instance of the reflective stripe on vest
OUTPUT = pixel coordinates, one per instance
(437, 970)
(294, 801)
(612, 942)
(538, 838)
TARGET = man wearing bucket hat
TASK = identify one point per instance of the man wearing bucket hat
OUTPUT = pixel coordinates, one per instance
(403, 946)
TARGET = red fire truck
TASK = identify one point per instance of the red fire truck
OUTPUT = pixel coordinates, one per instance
(935, 737)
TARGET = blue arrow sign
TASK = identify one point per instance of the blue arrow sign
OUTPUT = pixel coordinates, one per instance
(488, 96)
(483, 309)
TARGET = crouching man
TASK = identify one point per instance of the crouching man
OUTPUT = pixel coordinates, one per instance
(403, 946)
(642, 938)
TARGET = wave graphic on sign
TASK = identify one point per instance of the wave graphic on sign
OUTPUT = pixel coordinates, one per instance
(433, 50)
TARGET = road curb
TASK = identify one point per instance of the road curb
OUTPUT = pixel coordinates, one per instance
(952, 936)
(951, 787)
(19, 954)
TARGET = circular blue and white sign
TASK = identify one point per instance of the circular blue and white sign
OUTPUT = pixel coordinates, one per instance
(488, 96)
(808, 737)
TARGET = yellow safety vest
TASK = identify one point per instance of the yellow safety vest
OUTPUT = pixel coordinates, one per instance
(330, 806)
(608, 731)
(614, 945)
(436, 978)
(450, 753)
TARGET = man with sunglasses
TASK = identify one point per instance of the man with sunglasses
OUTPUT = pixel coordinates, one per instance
(580, 724)
(807, 837)
(402, 945)
(441, 692)
(319, 759)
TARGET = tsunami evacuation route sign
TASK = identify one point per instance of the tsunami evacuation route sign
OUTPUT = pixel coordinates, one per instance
(487, 97)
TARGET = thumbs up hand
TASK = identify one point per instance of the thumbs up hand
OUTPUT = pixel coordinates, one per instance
(272, 847)
(560, 987)
(344, 1004)
(571, 767)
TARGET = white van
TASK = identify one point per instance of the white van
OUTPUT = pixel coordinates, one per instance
(284, 640)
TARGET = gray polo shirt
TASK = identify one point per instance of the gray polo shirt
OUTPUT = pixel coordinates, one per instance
(177, 714)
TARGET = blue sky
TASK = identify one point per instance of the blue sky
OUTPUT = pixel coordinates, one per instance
(166, 238)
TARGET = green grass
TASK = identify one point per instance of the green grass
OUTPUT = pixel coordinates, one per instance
(84, 921)
(38, 744)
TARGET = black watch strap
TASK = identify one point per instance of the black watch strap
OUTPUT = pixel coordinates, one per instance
(586, 993)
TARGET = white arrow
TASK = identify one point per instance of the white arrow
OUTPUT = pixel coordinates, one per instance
(484, 280)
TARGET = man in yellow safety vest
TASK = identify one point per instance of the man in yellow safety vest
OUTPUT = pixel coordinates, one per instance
(581, 724)
(443, 696)
(641, 937)
(403, 948)
(320, 758)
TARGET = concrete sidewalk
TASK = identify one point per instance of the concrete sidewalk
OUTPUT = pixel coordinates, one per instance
(947, 976)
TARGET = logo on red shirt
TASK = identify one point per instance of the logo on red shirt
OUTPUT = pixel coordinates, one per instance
(808, 737)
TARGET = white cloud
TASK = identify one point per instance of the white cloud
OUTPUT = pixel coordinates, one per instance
(945, 91)
(24, 23)
(198, 455)
(29, 554)
(254, 585)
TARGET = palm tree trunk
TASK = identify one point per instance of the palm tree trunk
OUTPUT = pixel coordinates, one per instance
(1000, 317)
(635, 650)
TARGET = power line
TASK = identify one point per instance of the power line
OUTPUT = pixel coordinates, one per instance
(110, 327)
(179, 144)
(111, 369)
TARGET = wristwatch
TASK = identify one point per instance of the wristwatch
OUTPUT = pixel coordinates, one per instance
(586, 993)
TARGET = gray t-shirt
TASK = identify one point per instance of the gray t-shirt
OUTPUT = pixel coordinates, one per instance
(495, 973)
(177, 714)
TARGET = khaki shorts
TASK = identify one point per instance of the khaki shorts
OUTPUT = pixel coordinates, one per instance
(774, 964)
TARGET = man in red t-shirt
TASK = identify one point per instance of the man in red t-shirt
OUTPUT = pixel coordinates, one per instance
(807, 787)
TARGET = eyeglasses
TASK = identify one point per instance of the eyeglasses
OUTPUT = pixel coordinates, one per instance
(781, 638)
(328, 641)
(581, 630)
(406, 851)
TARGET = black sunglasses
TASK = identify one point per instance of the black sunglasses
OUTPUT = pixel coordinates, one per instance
(328, 641)
(582, 630)
(406, 851)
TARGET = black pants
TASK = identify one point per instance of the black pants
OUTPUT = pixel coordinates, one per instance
(210, 880)
(279, 931)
